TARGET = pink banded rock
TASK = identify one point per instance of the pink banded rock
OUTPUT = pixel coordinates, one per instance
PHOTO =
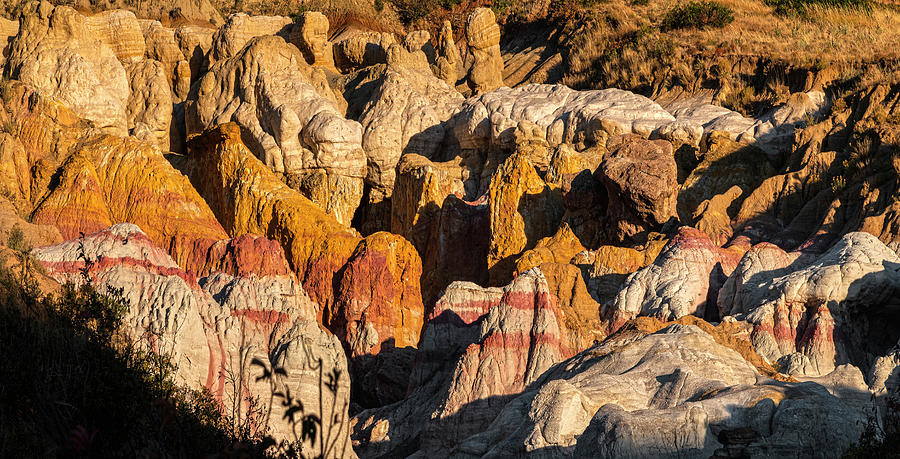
(822, 312)
(674, 392)
(479, 347)
(684, 279)
(215, 328)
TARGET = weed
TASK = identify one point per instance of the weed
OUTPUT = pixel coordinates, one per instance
(838, 183)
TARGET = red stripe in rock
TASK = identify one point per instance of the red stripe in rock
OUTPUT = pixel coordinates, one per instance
(72, 267)
(262, 317)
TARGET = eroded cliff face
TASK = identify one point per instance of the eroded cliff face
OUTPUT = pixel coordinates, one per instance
(482, 270)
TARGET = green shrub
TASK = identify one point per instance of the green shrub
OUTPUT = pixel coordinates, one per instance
(800, 7)
(698, 15)
(16, 240)
(411, 11)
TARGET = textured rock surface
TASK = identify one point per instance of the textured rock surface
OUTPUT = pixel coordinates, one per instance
(448, 64)
(408, 112)
(684, 279)
(247, 197)
(211, 331)
(562, 114)
(292, 119)
(378, 298)
(121, 31)
(78, 179)
(362, 49)
(162, 45)
(483, 36)
(60, 54)
(811, 313)
(725, 164)
(459, 382)
(150, 103)
(516, 193)
(109, 180)
(640, 180)
(310, 34)
(674, 392)
(239, 29)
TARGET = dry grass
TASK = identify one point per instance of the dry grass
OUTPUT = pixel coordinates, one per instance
(827, 35)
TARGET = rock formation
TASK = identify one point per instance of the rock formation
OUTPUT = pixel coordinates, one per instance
(813, 313)
(333, 218)
(58, 53)
(454, 385)
(240, 28)
(448, 65)
(515, 189)
(292, 119)
(640, 180)
(310, 34)
(684, 279)
(562, 114)
(597, 404)
(366, 288)
(211, 330)
(483, 36)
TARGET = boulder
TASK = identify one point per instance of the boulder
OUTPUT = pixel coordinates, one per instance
(407, 113)
(363, 49)
(640, 180)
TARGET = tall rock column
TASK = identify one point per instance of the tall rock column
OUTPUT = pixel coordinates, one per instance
(448, 64)
(483, 34)
(311, 36)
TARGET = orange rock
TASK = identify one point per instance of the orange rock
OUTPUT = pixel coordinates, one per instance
(378, 296)
(110, 180)
(559, 248)
(248, 198)
(577, 309)
(523, 210)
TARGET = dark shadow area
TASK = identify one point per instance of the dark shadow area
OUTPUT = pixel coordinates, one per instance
(380, 379)
(70, 386)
